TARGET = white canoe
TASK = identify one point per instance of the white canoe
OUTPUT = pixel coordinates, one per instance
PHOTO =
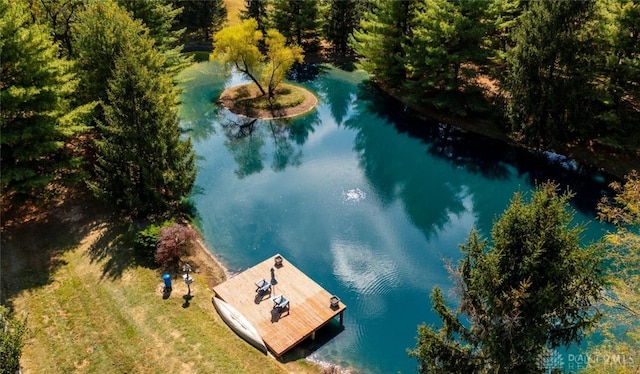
(239, 324)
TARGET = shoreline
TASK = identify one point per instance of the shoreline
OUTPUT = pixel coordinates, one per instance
(616, 164)
(227, 100)
(205, 254)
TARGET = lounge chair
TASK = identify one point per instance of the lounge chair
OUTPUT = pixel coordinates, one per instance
(262, 286)
(280, 303)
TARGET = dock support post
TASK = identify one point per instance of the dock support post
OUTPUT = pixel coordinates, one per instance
(313, 335)
(341, 318)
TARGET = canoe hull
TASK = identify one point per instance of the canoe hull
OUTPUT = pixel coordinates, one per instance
(239, 324)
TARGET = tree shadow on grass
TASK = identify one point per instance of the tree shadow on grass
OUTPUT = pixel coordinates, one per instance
(35, 235)
(114, 248)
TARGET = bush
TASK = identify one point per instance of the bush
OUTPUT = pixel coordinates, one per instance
(12, 334)
(175, 242)
(146, 241)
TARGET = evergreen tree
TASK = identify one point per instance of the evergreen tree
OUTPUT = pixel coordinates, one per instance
(257, 9)
(202, 18)
(619, 68)
(549, 79)
(160, 18)
(37, 118)
(60, 15)
(298, 21)
(380, 40)
(143, 166)
(534, 288)
(100, 35)
(446, 35)
(342, 18)
(503, 14)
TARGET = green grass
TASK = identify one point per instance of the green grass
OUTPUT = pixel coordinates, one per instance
(287, 96)
(94, 308)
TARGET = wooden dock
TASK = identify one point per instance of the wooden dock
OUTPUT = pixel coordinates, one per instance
(309, 304)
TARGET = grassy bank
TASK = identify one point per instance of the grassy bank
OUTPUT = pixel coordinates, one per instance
(92, 307)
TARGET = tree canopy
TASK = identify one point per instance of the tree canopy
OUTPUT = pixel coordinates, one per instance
(298, 21)
(238, 46)
(533, 287)
(38, 118)
(620, 327)
(143, 166)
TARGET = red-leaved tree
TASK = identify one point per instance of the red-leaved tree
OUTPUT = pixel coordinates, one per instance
(175, 242)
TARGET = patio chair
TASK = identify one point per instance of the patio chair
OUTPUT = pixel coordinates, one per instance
(280, 303)
(262, 286)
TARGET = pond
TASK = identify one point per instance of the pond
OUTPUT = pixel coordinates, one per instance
(362, 196)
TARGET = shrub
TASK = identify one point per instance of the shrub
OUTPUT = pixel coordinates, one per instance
(146, 241)
(175, 241)
(12, 334)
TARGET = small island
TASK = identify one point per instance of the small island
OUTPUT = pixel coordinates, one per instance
(288, 101)
(267, 97)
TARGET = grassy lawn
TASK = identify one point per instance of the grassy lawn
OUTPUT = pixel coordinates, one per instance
(233, 10)
(249, 96)
(93, 308)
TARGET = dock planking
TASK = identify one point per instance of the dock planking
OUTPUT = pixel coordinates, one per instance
(309, 303)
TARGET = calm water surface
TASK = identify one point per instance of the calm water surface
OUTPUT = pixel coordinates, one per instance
(364, 198)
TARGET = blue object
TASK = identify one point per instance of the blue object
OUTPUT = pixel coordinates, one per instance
(167, 280)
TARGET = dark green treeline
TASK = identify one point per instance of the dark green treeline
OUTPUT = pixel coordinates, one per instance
(89, 93)
(553, 71)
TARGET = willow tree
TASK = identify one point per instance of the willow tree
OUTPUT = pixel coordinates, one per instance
(237, 46)
(534, 287)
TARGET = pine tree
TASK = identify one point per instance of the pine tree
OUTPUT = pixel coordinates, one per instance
(533, 288)
(203, 18)
(446, 52)
(100, 35)
(549, 81)
(380, 40)
(257, 9)
(160, 18)
(60, 16)
(37, 118)
(143, 166)
(342, 18)
(619, 69)
(298, 21)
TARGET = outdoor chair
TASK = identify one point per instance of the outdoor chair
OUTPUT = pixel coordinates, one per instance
(262, 286)
(280, 303)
